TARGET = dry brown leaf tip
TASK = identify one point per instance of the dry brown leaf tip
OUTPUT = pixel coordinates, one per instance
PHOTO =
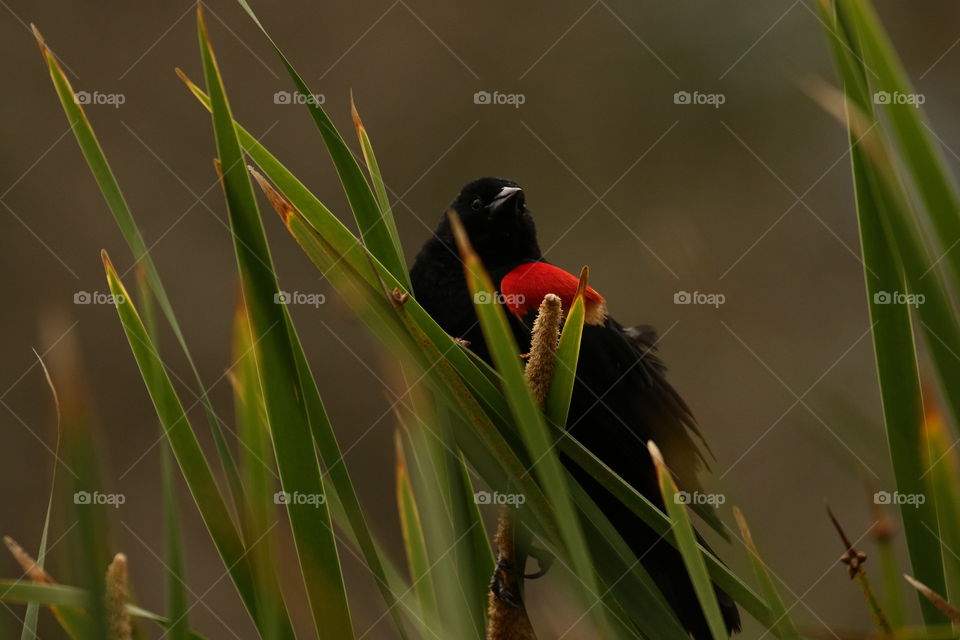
(31, 569)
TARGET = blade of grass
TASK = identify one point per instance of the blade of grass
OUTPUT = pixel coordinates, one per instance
(177, 607)
(256, 465)
(557, 404)
(877, 192)
(883, 534)
(418, 562)
(630, 582)
(783, 626)
(373, 169)
(319, 423)
(689, 548)
(441, 479)
(326, 442)
(461, 576)
(922, 156)
(190, 457)
(528, 416)
(278, 372)
(110, 189)
(176, 585)
(939, 319)
(67, 597)
(88, 551)
(377, 227)
(32, 614)
(476, 373)
(943, 480)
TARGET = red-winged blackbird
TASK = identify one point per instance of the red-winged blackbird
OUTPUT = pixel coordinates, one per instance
(621, 398)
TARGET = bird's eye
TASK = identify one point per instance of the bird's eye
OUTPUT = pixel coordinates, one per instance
(477, 204)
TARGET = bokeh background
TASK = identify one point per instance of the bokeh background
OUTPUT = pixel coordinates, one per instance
(750, 199)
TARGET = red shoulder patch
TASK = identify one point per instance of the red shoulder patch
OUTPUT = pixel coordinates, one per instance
(525, 287)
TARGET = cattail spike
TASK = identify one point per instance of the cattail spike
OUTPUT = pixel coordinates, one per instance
(118, 596)
(543, 347)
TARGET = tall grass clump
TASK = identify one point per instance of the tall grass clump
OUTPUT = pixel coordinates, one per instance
(470, 428)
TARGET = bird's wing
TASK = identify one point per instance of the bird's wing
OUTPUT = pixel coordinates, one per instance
(671, 423)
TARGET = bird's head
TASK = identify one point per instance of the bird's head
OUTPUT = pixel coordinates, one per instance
(495, 215)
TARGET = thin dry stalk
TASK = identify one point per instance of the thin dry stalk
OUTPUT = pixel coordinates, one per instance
(854, 560)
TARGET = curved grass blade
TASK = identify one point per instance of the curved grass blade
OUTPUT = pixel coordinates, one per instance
(528, 416)
(783, 626)
(900, 101)
(454, 528)
(557, 404)
(883, 218)
(183, 442)
(32, 614)
(630, 581)
(373, 169)
(689, 548)
(110, 189)
(321, 428)
(323, 433)
(67, 597)
(279, 373)
(474, 553)
(377, 227)
(883, 535)
(476, 373)
(256, 467)
(176, 585)
(177, 607)
(939, 318)
(943, 480)
(414, 542)
(454, 615)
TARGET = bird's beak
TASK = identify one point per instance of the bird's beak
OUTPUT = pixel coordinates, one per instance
(506, 200)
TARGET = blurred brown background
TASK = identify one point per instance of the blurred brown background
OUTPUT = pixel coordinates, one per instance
(751, 199)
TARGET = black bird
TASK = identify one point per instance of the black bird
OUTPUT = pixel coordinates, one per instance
(621, 398)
